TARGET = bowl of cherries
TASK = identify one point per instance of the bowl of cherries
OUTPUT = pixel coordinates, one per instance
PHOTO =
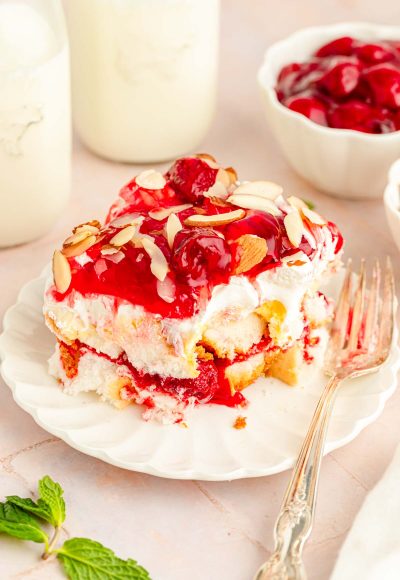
(332, 99)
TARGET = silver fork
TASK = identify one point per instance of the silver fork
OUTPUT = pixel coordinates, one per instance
(360, 342)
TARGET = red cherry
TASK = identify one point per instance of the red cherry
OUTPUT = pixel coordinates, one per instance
(374, 53)
(384, 83)
(340, 46)
(396, 120)
(287, 70)
(141, 199)
(191, 177)
(203, 387)
(347, 115)
(198, 252)
(310, 107)
(341, 79)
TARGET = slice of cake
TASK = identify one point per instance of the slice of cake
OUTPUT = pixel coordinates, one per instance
(195, 286)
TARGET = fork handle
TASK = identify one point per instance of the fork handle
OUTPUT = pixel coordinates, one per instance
(295, 519)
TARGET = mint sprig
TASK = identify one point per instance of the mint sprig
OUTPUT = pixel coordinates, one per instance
(81, 558)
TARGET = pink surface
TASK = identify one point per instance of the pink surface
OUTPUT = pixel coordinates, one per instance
(181, 530)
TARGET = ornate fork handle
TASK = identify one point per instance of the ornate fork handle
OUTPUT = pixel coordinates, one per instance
(295, 519)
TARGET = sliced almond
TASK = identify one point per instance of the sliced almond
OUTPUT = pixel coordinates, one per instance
(209, 159)
(254, 202)
(294, 227)
(151, 179)
(158, 264)
(232, 174)
(161, 214)
(296, 202)
(61, 272)
(267, 189)
(128, 219)
(76, 238)
(253, 251)
(218, 189)
(80, 247)
(172, 227)
(108, 250)
(166, 289)
(297, 259)
(215, 220)
(223, 177)
(93, 226)
(123, 236)
(313, 216)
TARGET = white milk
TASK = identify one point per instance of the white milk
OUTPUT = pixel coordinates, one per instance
(144, 75)
(35, 135)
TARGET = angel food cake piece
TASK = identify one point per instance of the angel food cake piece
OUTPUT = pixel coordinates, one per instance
(196, 285)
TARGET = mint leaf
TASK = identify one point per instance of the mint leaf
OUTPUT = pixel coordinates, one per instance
(17, 523)
(39, 509)
(51, 493)
(85, 559)
(309, 204)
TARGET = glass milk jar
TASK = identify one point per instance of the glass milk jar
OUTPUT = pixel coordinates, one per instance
(143, 75)
(34, 118)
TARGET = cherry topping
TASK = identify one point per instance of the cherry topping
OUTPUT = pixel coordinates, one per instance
(384, 82)
(341, 79)
(191, 177)
(199, 253)
(310, 107)
(374, 53)
(340, 46)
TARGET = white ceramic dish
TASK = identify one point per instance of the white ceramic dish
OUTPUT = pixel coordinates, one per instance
(391, 200)
(342, 162)
(210, 449)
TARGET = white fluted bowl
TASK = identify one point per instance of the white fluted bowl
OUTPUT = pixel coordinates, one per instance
(341, 162)
(392, 201)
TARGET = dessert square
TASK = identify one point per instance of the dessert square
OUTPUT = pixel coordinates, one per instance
(195, 285)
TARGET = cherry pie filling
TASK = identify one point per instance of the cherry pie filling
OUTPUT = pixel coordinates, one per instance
(346, 84)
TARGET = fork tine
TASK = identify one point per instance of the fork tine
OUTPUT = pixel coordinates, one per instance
(340, 323)
(371, 318)
(358, 310)
(387, 311)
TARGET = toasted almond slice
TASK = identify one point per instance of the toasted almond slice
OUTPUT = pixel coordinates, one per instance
(267, 189)
(108, 250)
(172, 227)
(80, 247)
(223, 177)
(296, 202)
(161, 214)
(215, 220)
(217, 189)
(151, 179)
(313, 216)
(128, 219)
(76, 238)
(158, 264)
(294, 227)
(209, 159)
(254, 250)
(61, 272)
(93, 226)
(232, 174)
(254, 202)
(166, 289)
(296, 259)
(123, 236)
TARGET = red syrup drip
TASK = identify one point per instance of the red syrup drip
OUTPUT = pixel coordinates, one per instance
(211, 386)
(346, 84)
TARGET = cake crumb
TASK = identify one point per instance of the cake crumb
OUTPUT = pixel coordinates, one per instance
(240, 422)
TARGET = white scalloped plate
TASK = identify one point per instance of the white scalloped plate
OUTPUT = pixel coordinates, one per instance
(210, 449)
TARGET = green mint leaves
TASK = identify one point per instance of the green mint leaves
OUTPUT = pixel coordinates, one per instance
(19, 524)
(309, 204)
(51, 494)
(82, 559)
